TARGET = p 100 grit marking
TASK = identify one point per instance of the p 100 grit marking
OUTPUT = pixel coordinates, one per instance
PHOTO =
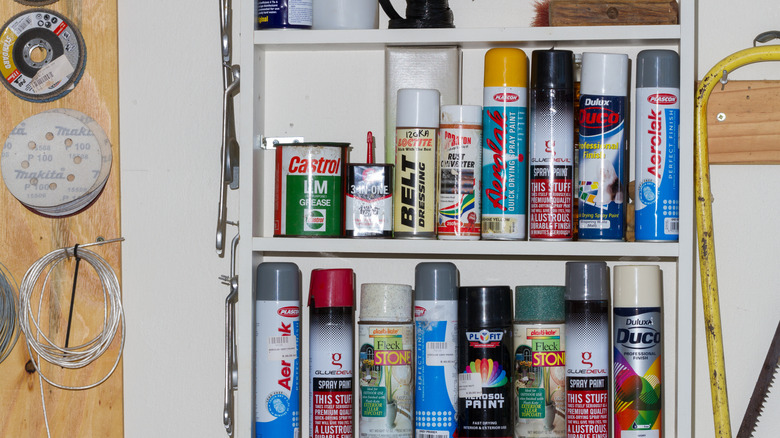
(43, 55)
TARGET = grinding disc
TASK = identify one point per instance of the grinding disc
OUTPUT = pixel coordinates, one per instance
(42, 55)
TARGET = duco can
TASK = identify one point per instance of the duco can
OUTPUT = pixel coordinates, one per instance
(283, 14)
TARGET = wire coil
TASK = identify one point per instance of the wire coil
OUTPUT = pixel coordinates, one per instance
(9, 324)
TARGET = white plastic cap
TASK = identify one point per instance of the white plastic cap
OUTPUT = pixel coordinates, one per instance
(417, 108)
(466, 114)
(637, 286)
(604, 74)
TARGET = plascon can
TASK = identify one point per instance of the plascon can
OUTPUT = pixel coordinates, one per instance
(386, 362)
(460, 172)
(657, 171)
(277, 350)
(309, 190)
(603, 175)
(436, 331)
(638, 355)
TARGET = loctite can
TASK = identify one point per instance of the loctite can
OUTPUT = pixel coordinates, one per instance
(504, 148)
(331, 353)
(436, 330)
(485, 362)
(551, 145)
(417, 126)
(587, 349)
(277, 350)
(657, 171)
(460, 172)
(603, 174)
(638, 356)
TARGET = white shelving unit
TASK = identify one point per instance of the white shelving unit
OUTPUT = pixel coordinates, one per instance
(329, 86)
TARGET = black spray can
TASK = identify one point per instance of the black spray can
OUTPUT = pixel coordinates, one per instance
(485, 362)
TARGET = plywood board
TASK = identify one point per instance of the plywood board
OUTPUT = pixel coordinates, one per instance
(610, 13)
(25, 237)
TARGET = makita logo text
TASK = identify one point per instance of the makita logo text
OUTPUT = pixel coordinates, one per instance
(662, 99)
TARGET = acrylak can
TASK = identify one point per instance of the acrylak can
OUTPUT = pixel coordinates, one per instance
(331, 353)
(657, 171)
(504, 148)
(485, 362)
(587, 349)
(416, 135)
(638, 356)
(369, 197)
(460, 172)
(602, 184)
(277, 350)
(436, 332)
(551, 145)
(539, 405)
(386, 361)
(283, 14)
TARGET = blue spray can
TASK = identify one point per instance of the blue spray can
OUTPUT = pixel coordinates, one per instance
(436, 333)
(277, 350)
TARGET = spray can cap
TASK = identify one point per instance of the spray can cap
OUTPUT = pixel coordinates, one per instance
(540, 303)
(485, 306)
(417, 108)
(552, 69)
(435, 281)
(332, 288)
(638, 286)
(604, 74)
(466, 114)
(278, 282)
(506, 67)
(386, 302)
(658, 68)
(587, 281)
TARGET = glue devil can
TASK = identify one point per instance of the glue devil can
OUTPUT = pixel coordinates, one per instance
(485, 362)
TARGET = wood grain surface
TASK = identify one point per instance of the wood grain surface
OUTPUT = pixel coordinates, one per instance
(608, 13)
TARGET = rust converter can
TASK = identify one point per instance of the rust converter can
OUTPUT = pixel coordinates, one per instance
(309, 190)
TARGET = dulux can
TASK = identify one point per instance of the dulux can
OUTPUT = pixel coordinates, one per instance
(436, 332)
(657, 171)
(277, 350)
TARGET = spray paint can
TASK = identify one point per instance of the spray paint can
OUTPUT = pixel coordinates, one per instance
(386, 362)
(283, 14)
(603, 178)
(551, 145)
(277, 350)
(638, 355)
(657, 171)
(417, 127)
(587, 349)
(540, 362)
(460, 172)
(436, 331)
(504, 172)
(369, 198)
(331, 353)
(485, 362)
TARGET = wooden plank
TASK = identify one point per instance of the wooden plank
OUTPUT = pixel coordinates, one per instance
(26, 236)
(610, 13)
(749, 132)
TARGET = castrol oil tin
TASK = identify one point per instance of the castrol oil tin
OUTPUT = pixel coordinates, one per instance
(309, 190)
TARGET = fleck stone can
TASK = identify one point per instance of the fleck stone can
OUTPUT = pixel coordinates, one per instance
(309, 191)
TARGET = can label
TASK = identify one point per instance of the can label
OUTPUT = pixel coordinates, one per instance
(276, 14)
(460, 168)
(504, 170)
(415, 182)
(436, 392)
(657, 172)
(369, 200)
(602, 179)
(386, 380)
(587, 369)
(309, 190)
(552, 164)
(540, 381)
(484, 388)
(277, 368)
(637, 366)
(330, 381)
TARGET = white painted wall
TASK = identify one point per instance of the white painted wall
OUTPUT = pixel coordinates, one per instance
(170, 91)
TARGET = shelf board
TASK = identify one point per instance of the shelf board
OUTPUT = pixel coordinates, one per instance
(373, 39)
(402, 248)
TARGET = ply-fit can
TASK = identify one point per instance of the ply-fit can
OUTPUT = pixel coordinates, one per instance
(277, 350)
(638, 355)
(504, 148)
(436, 332)
(587, 349)
(657, 171)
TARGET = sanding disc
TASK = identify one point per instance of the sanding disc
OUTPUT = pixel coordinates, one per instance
(42, 55)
